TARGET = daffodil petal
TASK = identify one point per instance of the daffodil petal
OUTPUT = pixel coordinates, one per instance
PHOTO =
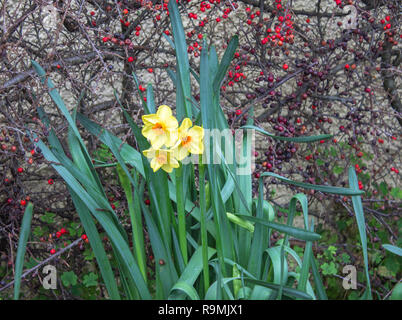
(164, 112)
(146, 130)
(167, 168)
(180, 153)
(196, 132)
(172, 138)
(172, 163)
(158, 141)
(170, 122)
(150, 119)
(156, 165)
(197, 148)
(185, 125)
(147, 153)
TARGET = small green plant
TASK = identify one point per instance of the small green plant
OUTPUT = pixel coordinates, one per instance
(209, 237)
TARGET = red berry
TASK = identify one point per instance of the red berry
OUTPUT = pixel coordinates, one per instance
(63, 231)
(58, 234)
(147, 202)
(53, 251)
(285, 66)
(50, 181)
(20, 170)
(130, 59)
(105, 39)
(238, 112)
(84, 237)
(23, 202)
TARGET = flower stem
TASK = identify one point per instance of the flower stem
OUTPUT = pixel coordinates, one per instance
(204, 236)
(181, 214)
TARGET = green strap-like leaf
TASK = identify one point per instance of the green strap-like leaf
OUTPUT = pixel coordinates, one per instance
(292, 231)
(183, 65)
(394, 249)
(294, 139)
(326, 189)
(191, 272)
(225, 63)
(361, 224)
(96, 245)
(22, 245)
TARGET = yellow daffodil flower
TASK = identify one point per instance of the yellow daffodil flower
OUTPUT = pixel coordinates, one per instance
(160, 128)
(190, 140)
(161, 158)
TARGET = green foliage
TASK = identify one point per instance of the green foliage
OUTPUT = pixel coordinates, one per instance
(69, 278)
(48, 217)
(396, 193)
(22, 244)
(102, 153)
(338, 169)
(210, 240)
(90, 280)
(329, 268)
(396, 292)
